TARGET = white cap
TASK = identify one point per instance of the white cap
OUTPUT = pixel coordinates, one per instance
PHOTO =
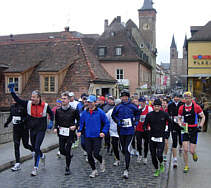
(71, 94)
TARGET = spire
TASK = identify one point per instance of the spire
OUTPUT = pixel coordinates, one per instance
(147, 5)
(173, 44)
(185, 42)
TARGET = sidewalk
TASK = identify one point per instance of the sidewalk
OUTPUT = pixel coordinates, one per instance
(7, 156)
(199, 173)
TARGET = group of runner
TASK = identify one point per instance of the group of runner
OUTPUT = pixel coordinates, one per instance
(119, 122)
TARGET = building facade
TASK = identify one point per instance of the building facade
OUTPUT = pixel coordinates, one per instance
(199, 61)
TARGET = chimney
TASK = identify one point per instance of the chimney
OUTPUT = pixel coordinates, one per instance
(105, 25)
(67, 29)
(118, 18)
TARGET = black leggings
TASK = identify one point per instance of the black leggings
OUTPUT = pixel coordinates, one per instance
(176, 135)
(126, 141)
(139, 137)
(115, 146)
(19, 132)
(65, 145)
(93, 146)
(156, 150)
(37, 138)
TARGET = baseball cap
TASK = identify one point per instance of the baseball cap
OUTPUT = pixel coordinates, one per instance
(188, 94)
(157, 102)
(111, 97)
(102, 98)
(142, 99)
(91, 98)
(84, 95)
(71, 94)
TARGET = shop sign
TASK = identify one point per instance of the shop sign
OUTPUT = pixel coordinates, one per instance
(201, 56)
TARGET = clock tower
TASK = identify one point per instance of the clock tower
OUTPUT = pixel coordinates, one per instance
(147, 23)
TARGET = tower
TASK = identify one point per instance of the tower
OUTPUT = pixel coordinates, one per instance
(147, 23)
(173, 49)
(185, 48)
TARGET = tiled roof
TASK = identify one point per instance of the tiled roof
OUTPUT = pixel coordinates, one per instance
(204, 34)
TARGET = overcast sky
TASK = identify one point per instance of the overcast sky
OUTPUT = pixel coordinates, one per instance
(87, 16)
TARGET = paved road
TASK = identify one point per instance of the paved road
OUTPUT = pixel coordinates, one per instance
(53, 175)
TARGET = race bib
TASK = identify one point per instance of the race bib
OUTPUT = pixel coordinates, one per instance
(64, 131)
(166, 129)
(127, 123)
(16, 119)
(159, 139)
(142, 118)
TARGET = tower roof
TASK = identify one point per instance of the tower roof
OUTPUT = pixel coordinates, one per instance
(185, 42)
(173, 44)
(147, 5)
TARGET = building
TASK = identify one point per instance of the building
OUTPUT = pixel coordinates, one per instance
(178, 66)
(199, 61)
(128, 53)
(52, 64)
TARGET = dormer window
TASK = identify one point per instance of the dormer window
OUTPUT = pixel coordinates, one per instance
(118, 51)
(101, 51)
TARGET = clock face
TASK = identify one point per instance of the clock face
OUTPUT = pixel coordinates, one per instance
(145, 26)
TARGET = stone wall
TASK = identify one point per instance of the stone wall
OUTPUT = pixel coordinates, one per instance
(5, 133)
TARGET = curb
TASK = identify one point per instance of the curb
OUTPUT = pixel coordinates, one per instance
(26, 157)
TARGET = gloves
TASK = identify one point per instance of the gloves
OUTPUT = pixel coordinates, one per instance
(50, 125)
(5, 125)
(11, 87)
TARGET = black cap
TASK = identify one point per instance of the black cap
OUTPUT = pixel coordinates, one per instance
(157, 102)
(125, 92)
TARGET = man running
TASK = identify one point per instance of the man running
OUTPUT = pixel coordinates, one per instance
(157, 124)
(140, 133)
(173, 108)
(65, 118)
(126, 115)
(95, 124)
(37, 122)
(189, 112)
(18, 116)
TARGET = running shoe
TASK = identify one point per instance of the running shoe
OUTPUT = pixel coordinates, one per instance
(145, 161)
(67, 171)
(125, 174)
(58, 155)
(180, 149)
(139, 158)
(195, 157)
(174, 163)
(34, 171)
(116, 163)
(186, 169)
(102, 166)
(16, 167)
(157, 173)
(93, 174)
(165, 158)
(162, 168)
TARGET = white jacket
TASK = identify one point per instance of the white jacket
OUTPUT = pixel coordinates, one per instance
(113, 125)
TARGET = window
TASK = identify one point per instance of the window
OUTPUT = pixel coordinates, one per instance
(49, 84)
(16, 81)
(101, 51)
(118, 51)
(119, 74)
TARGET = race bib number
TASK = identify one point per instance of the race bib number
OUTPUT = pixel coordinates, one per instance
(64, 131)
(166, 129)
(142, 118)
(127, 123)
(159, 139)
(16, 119)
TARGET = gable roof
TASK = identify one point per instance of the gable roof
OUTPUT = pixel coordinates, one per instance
(204, 34)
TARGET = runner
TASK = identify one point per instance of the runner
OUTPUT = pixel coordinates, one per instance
(189, 113)
(65, 126)
(126, 115)
(140, 133)
(157, 124)
(95, 124)
(173, 108)
(18, 116)
(36, 122)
